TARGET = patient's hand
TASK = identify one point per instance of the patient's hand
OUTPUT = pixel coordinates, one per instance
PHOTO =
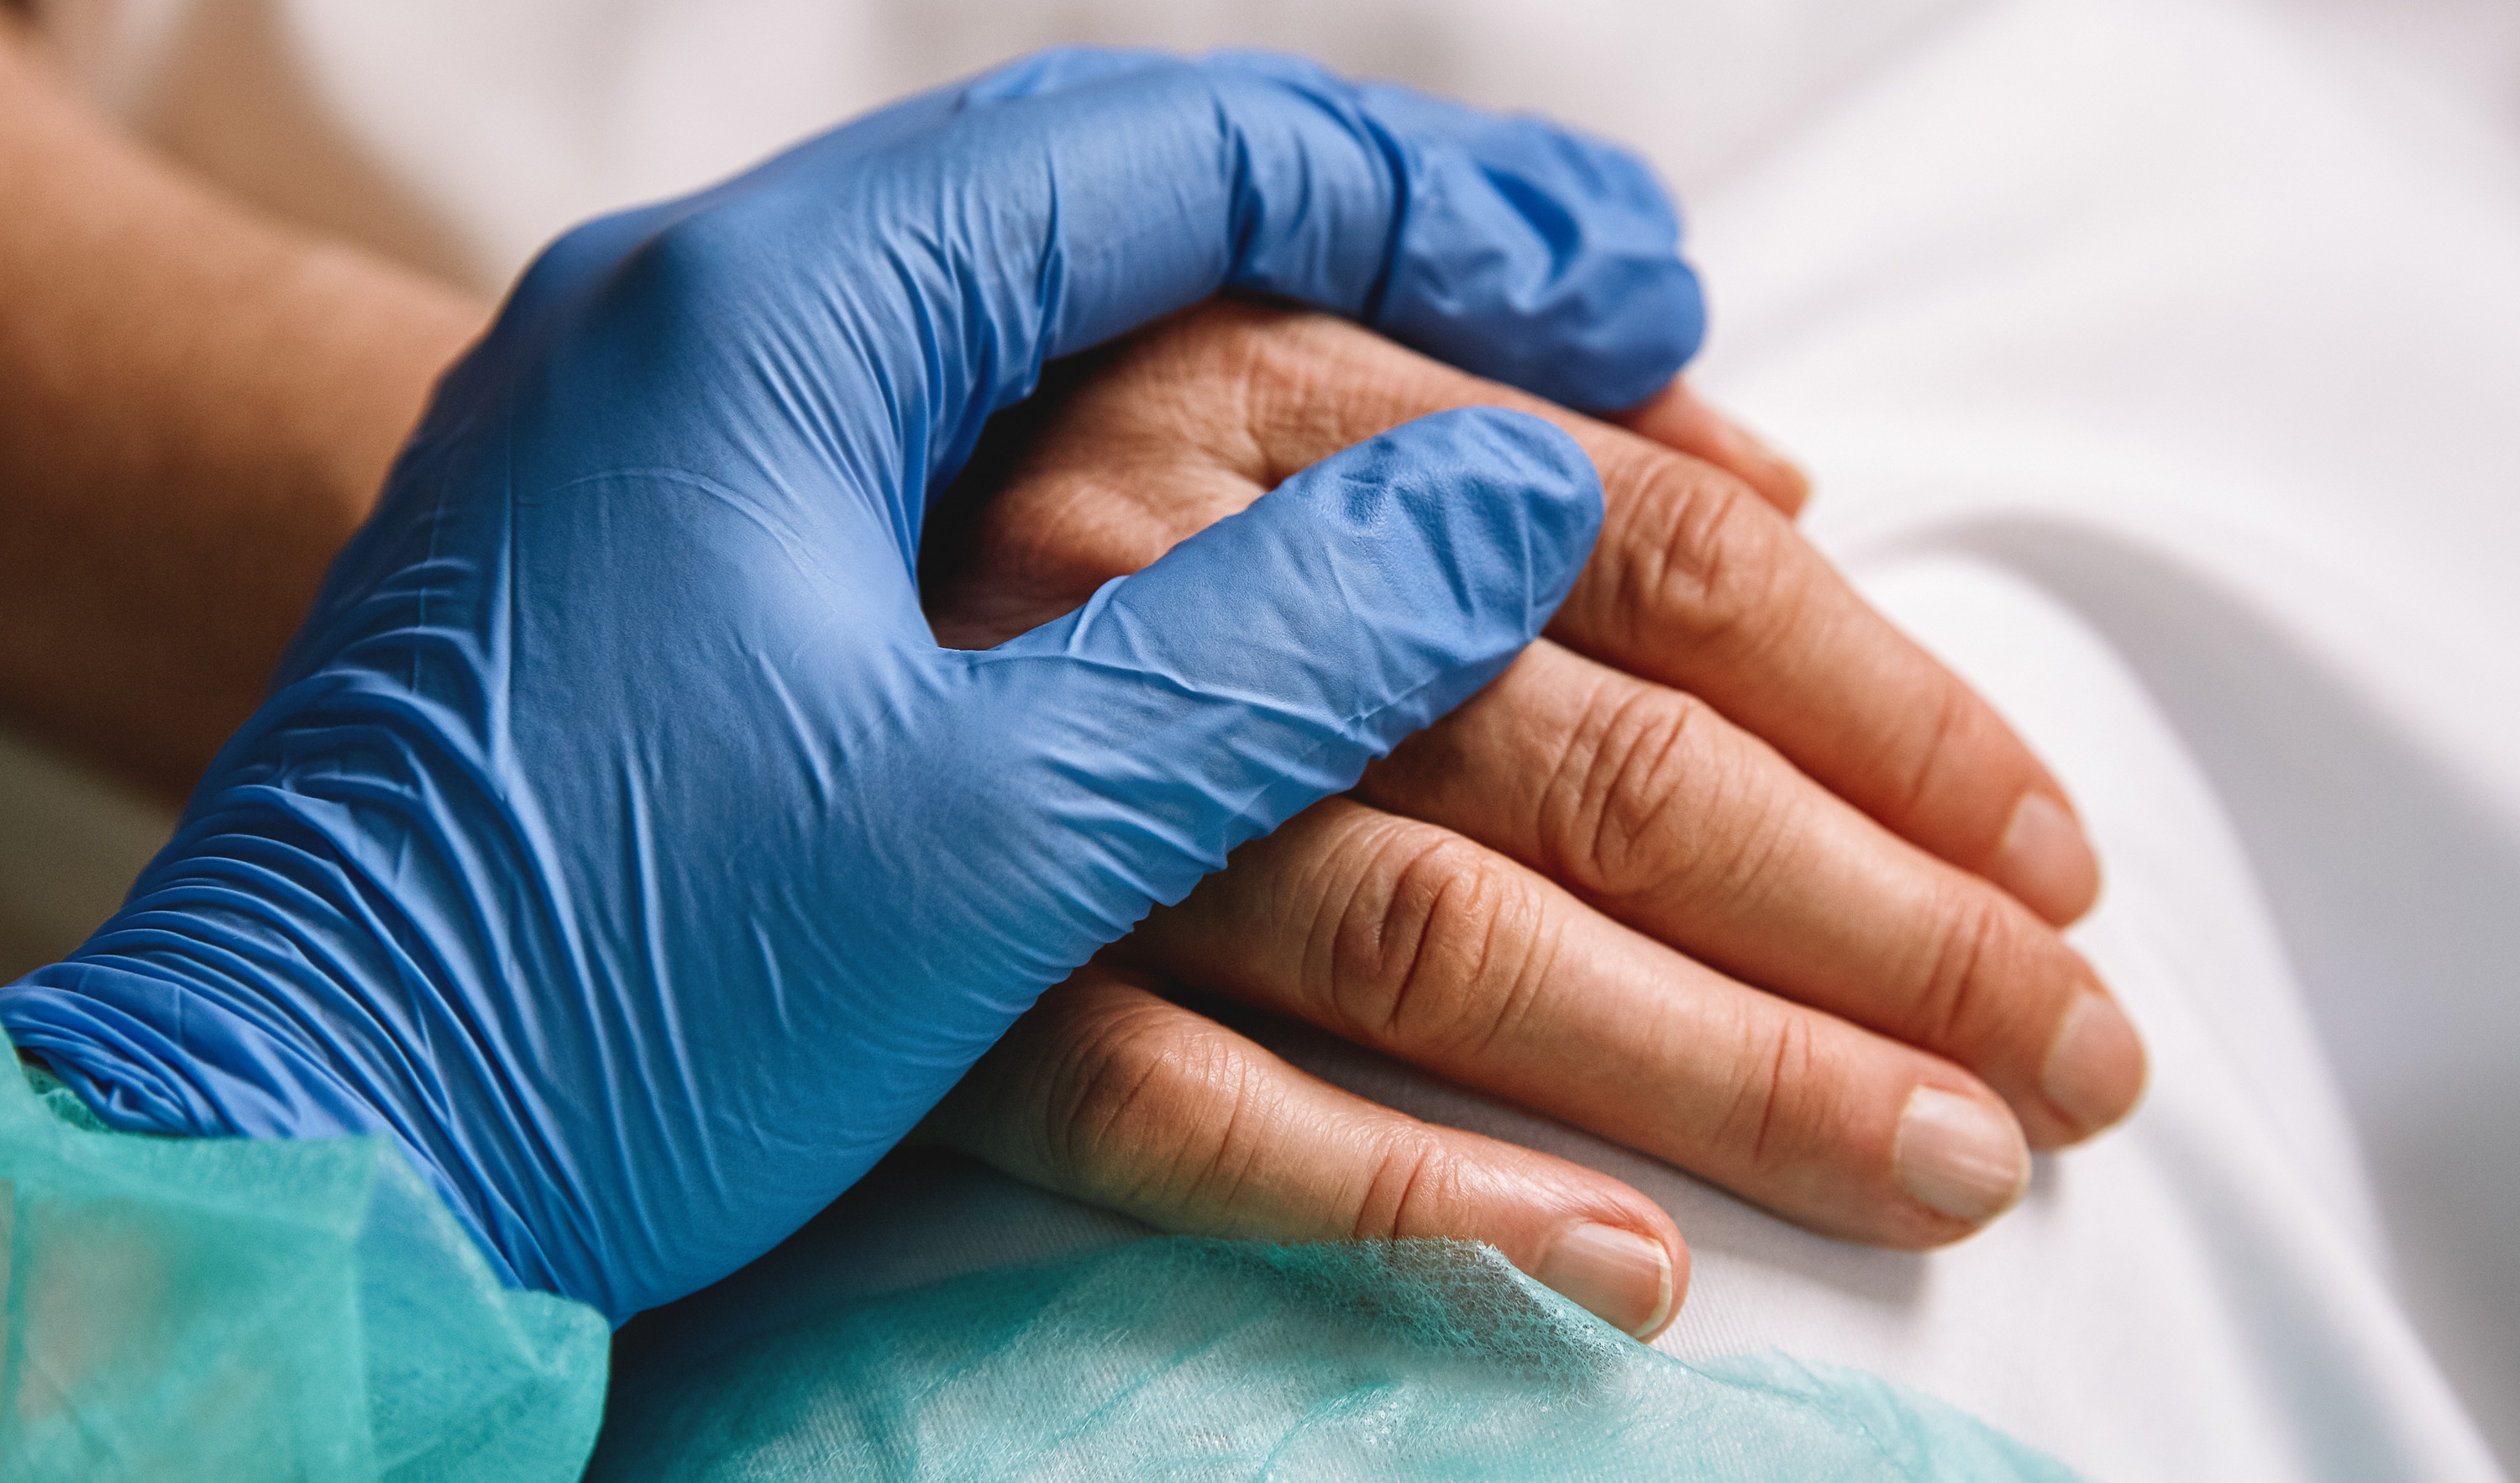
(1726, 869)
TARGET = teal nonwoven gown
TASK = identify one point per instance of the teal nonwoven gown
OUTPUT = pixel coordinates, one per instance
(210, 1309)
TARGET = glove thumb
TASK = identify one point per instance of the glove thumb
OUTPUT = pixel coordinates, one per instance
(1260, 665)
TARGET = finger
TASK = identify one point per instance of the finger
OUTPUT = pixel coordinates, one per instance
(1680, 420)
(1403, 936)
(1705, 588)
(1111, 1093)
(1650, 806)
(1262, 662)
(1697, 583)
(1099, 765)
(1701, 586)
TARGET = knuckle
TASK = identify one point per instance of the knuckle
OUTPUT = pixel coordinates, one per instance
(1623, 789)
(1781, 1092)
(1917, 757)
(1439, 945)
(1702, 564)
(1651, 799)
(1416, 1186)
(1100, 1085)
(1143, 1109)
(1952, 989)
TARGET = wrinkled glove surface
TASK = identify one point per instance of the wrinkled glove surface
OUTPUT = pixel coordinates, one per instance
(618, 839)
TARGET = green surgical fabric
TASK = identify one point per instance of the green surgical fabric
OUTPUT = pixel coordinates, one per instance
(1178, 1358)
(216, 1309)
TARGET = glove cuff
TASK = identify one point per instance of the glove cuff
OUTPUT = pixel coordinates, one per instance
(97, 1028)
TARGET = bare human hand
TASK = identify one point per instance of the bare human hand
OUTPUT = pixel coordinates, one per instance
(1726, 868)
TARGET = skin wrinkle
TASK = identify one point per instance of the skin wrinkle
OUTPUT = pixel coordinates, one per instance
(1297, 896)
(1395, 1221)
(1208, 1170)
(1251, 364)
(1220, 1178)
(1961, 951)
(1691, 569)
(2022, 1021)
(1916, 778)
(1654, 744)
(1087, 519)
(1290, 1131)
(1068, 522)
(1519, 1011)
(1103, 1088)
(1383, 912)
(1564, 794)
(1060, 1087)
(1417, 895)
(1310, 369)
(1188, 424)
(1793, 1054)
(1780, 1111)
(1318, 386)
(1899, 787)
(1467, 913)
(1751, 876)
(1429, 1174)
(1642, 741)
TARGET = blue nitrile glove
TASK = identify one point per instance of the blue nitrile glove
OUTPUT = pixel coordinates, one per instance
(620, 841)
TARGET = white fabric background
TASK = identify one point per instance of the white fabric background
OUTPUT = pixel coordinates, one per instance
(2157, 361)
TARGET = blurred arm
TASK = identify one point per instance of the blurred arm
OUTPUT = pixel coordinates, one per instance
(197, 406)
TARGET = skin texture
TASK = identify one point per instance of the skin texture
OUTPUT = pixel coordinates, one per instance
(1712, 871)
(1706, 872)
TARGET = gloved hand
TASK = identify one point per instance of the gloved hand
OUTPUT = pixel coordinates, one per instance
(618, 837)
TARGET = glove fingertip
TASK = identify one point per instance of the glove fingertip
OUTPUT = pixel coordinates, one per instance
(1530, 473)
(1536, 255)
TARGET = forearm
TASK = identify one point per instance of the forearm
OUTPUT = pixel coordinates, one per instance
(196, 405)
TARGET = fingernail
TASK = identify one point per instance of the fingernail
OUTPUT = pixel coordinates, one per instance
(1617, 1275)
(2094, 1071)
(1959, 1156)
(2045, 861)
(1748, 449)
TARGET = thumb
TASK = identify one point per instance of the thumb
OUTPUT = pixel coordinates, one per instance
(1260, 665)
